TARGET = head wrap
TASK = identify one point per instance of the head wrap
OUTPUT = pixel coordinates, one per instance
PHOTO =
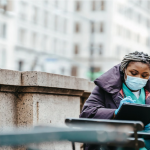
(135, 56)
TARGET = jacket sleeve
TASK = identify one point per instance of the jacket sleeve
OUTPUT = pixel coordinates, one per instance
(94, 106)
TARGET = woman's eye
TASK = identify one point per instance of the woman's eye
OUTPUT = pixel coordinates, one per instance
(133, 73)
(145, 76)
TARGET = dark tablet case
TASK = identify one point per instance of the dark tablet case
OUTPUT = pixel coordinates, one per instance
(134, 112)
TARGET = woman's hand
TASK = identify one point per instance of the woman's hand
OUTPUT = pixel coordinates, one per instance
(147, 127)
(125, 100)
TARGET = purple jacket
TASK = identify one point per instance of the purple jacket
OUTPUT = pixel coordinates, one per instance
(104, 99)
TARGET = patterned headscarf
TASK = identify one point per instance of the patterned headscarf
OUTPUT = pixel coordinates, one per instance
(135, 56)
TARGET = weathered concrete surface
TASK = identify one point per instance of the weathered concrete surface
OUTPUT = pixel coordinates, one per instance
(43, 79)
(10, 77)
(32, 98)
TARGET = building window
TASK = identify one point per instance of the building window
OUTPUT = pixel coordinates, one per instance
(34, 39)
(128, 34)
(76, 49)
(65, 26)
(3, 29)
(92, 49)
(45, 19)
(77, 27)
(3, 58)
(102, 5)
(139, 18)
(100, 49)
(101, 27)
(92, 27)
(23, 9)
(148, 23)
(78, 5)
(119, 30)
(35, 14)
(22, 36)
(55, 45)
(118, 50)
(74, 70)
(93, 5)
(20, 65)
(56, 23)
(138, 38)
(148, 42)
(62, 71)
(56, 3)
(7, 5)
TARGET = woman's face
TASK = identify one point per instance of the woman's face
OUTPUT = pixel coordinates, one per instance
(137, 69)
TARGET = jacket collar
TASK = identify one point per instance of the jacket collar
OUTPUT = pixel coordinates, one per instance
(111, 81)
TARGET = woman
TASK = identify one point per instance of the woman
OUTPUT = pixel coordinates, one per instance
(126, 82)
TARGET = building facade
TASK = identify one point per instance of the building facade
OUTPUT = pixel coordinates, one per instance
(114, 29)
(36, 36)
(72, 37)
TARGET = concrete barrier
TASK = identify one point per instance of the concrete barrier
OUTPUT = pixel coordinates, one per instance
(31, 98)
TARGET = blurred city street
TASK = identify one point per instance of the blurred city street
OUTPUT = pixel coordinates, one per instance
(82, 38)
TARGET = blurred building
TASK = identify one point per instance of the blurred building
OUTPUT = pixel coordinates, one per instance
(35, 36)
(119, 27)
(82, 38)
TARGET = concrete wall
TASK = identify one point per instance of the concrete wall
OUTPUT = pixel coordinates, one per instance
(31, 98)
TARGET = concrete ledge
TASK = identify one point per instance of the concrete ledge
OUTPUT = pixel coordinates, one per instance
(44, 79)
(10, 77)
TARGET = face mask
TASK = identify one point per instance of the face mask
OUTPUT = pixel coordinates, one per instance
(135, 83)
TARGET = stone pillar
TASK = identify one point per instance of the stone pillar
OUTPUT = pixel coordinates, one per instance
(32, 98)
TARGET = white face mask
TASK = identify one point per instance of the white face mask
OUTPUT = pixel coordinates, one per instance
(135, 83)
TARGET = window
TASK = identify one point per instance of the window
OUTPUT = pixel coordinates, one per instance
(92, 27)
(56, 23)
(66, 5)
(148, 42)
(46, 2)
(101, 27)
(62, 70)
(102, 5)
(93, 5)
(44, 43)
(138, 38)
(100, 49)
(34, 39)
(7, 5)
(20, 65)
(56, 3)
(55, 45)
(3, 30)
(23, 10)
(74, 70)
(3, 58)
(35, 14)
(22, 36)
(139, 18)
(65, 26)
(45, 19)
(96, 69)
(148, 23)
(128, 33)
(118, 50)
(76, 49)
(77, 27)
(78, 5)
(92, 49)
(118, 30)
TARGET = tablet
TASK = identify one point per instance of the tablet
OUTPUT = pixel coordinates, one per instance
(134, 112)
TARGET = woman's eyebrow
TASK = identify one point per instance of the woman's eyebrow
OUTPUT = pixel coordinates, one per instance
(133, 70)
(146, 72)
